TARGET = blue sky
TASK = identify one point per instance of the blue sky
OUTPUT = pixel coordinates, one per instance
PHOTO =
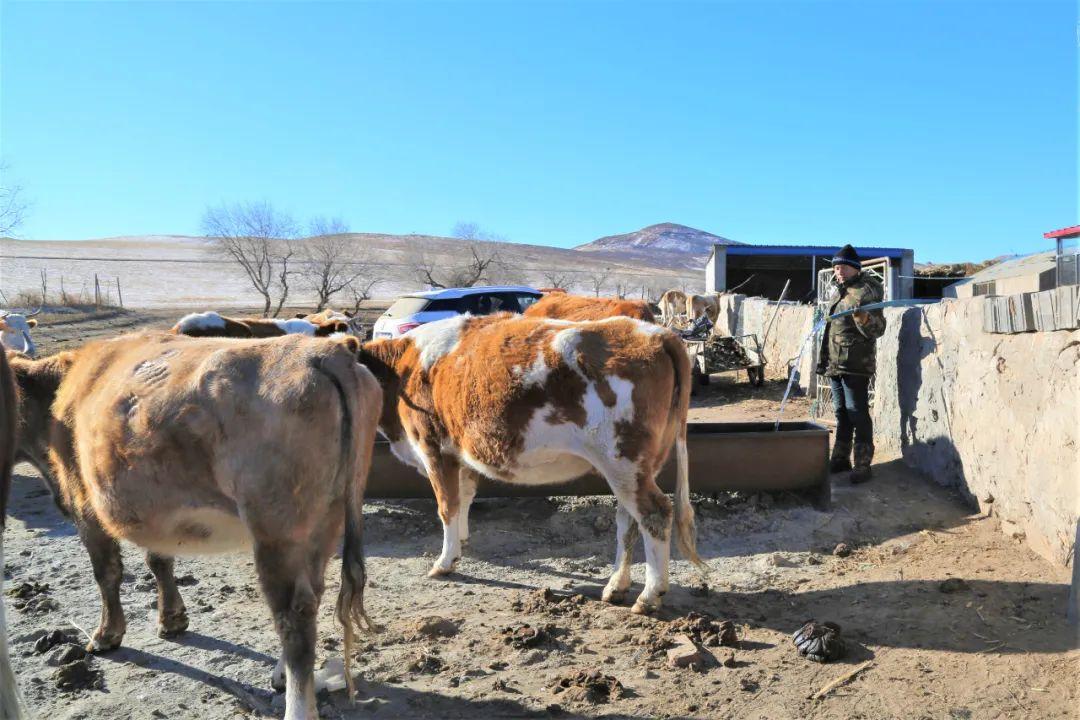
(950, 127)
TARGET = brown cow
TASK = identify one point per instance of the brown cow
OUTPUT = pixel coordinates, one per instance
(211, 324)
(11, 704)
(698, 305)
(672, 303)
(535, 401)
(562, 306)
(189, 446)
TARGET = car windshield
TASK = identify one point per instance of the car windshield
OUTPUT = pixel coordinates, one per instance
(406, 306)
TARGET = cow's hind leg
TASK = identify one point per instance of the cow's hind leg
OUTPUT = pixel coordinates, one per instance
(104, 553)
(626, 538)
(172, 615)
(292, 591)
(636, 491)
(444, 476)
(468, 480)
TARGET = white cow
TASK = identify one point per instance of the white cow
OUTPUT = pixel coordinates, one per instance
(15, 332)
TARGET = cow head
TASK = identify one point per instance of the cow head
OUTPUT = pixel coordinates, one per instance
(38, 382)
(15, 332)
(382, 358)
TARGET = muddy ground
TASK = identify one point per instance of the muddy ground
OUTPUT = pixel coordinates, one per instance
(943, 615)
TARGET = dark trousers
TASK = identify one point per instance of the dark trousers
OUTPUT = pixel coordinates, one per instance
(851, 402)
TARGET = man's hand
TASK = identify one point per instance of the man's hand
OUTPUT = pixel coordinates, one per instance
(862, 317)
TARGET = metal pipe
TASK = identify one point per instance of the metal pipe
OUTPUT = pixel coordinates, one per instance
(885, 304)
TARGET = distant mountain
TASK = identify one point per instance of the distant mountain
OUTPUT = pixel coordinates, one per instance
(666, 244)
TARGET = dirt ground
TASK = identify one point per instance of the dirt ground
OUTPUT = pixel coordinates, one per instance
(943, 615)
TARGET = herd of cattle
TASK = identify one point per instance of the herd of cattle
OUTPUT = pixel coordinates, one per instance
(227, 433)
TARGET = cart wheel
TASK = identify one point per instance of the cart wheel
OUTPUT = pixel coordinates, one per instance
(700, 378)
(756, 376)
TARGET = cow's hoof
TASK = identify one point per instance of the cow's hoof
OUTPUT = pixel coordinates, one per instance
(172, 626)
(438, 571)
(103, 643)
(277, 682)
(615, 597)
(642, 607)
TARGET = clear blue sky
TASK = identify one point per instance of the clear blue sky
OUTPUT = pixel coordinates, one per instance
(950, 127)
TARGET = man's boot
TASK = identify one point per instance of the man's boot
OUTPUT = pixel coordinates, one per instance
(864, 455)
(841, 456)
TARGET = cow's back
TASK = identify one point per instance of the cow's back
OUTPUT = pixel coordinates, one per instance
(211, 423)
(576, 308)
(507, 377)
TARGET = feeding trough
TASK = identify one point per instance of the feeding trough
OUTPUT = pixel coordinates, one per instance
(745, 456)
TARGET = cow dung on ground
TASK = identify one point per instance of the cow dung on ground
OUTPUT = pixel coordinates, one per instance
(431, 627)
(591, 686)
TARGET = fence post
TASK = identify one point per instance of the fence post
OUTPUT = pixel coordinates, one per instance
(97, 292)
(119, 292)
(44, 286)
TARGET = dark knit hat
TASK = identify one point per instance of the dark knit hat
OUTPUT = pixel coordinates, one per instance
(847, 256)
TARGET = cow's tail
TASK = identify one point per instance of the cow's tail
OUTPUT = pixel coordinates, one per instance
(11, 704)
(359, 415)
(685, 527)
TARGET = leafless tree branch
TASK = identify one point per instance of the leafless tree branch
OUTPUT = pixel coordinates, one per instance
(598, 279)
(258, 239)
(13, 203)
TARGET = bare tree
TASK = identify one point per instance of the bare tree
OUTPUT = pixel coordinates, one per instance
(13, 203)
(481, 264)
(467, 231)
(598, 279)
(259, 239)
(331, 260)
(558, 278)
(361, 288)
(320, 225)
(622, 286)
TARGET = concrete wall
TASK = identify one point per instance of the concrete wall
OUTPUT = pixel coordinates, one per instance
(784, 340)
(996, 416)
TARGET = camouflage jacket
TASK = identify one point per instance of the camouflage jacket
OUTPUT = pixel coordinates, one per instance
(848, 348)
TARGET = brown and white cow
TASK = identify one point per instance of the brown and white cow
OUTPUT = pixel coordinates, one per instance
(11, 704)
(193, 446)
(536, 401)
(698, 305)
(211, 324)
(326, 316)
(672, 303)
(562, 306)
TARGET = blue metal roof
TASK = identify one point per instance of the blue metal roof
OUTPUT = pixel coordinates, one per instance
(815, 250)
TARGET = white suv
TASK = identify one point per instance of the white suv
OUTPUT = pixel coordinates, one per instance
(413, 310)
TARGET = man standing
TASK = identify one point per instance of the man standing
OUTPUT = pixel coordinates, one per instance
(848, 359)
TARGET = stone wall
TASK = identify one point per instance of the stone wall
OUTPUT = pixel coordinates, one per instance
(996, 416)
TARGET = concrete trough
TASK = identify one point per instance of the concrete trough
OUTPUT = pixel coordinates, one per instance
(750, 457)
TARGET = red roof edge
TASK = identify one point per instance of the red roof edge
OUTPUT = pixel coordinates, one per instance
(1063, 232)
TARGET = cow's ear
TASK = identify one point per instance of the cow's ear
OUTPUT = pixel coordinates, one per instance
(351, 342)
(341, 327)
(32, 322)
(299, 316)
